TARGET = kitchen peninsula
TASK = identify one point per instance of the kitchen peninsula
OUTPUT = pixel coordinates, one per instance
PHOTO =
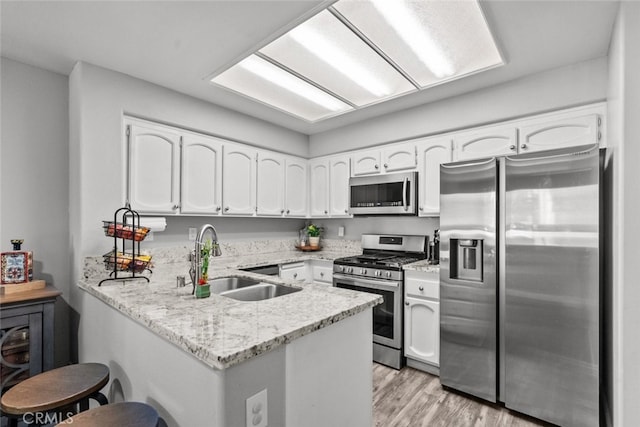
(199, 360)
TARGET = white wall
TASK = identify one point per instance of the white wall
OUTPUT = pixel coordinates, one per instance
(99, 98)
(624, 92)
(34, 178)
(578, 84)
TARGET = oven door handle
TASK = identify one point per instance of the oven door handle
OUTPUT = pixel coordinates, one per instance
(372, 283)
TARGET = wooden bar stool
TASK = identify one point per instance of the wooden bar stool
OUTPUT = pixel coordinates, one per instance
(123, 414)
(55, 389)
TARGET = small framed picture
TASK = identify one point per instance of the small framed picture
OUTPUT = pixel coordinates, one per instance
(15, 267)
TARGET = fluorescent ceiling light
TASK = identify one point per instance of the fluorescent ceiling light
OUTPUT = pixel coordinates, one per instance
(337, 58)
(285, 80)
(418, 37)
(358, 53)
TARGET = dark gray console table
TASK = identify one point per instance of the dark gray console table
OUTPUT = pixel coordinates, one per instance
(26, 334)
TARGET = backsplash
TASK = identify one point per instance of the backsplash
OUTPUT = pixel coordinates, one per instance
(94, 266)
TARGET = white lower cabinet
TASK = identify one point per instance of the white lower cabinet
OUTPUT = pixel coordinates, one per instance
(321, 271)
(297, 271)
(422, 320)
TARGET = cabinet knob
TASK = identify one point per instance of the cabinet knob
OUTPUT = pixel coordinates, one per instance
(288, 211)
(226, 209)
(523, 146)
(295, 275)
(421, 288)
(421, 208)
(377, 167)
(321, 274)
(512, 147)
(406, 303)
(386, 165)
(218, 208)
(346, 211)
(282, 211)
(175, 207)
(325, 212)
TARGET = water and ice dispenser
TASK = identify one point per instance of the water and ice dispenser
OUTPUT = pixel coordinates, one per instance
(466, 259)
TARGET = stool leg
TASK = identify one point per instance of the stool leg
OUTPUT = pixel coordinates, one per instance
(84, 404)
(100, 398)
(13, 422)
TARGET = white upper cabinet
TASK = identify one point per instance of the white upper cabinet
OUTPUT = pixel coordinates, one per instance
(486, 142)
(399, 157)
(366, 162)
(545, 134)
(201, 174)
(154, 167)
(239, 180)
(432, 152)
(270, 184)
(339, 186)
(296, 187)
(392, 158)
(319, 188)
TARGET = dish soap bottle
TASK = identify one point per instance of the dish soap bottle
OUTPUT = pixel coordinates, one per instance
(16, 265)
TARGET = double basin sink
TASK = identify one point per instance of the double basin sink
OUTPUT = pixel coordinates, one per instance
(247, 289)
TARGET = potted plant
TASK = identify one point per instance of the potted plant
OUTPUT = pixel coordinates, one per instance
(314, 235)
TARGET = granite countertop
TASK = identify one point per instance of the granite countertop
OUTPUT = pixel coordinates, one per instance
(422, 265)
(221, 331)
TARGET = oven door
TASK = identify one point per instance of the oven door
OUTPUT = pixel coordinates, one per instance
(387, 317)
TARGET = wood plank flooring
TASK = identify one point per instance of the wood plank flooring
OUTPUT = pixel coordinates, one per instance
(412, 398)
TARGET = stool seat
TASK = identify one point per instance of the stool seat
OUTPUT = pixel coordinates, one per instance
(55, 388)
(123, 414)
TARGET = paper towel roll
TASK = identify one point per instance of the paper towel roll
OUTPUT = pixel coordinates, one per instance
(154, 223)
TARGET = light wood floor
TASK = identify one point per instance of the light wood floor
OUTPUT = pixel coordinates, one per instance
(412, 398)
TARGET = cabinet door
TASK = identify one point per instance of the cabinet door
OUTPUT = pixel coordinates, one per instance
(154, 168)
(294, 271)
(399, 157)
(548, 134)
(339, 187)
(486, 142)
(239, 180)
(431, 154)
(296, 187)
(422, 330)
(366, 162)
(201, 175)
(319, 189)
(270, 184)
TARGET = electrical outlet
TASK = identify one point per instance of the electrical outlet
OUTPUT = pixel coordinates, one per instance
(149, 237)
(340, 231)
(257, 410)
(193, 233)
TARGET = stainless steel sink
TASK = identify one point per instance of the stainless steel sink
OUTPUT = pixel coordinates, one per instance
(223, 284)
(260, 292)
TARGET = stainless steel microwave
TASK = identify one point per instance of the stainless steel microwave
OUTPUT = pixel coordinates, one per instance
(389, 194)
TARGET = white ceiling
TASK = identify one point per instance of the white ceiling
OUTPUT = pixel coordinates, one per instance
(178, 44)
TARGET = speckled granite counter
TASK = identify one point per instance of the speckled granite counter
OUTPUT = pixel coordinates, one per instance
(422, 265)
(221, 331)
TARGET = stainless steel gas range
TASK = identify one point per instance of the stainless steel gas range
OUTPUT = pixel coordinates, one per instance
(379, 270)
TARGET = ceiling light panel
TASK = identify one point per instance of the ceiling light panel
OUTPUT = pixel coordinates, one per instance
(432, 41)
(259, 79)
(328, 53)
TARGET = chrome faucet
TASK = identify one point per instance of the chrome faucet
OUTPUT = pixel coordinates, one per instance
(196, 257)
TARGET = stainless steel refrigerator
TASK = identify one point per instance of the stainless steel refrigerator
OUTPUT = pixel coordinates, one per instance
(520, 282)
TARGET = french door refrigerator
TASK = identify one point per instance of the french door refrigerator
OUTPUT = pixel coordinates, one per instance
(520, 282)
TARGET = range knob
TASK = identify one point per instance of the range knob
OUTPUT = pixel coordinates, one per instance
(350, 270)
(363, 271)
(377, 273)
(340, 268)
(387, 274)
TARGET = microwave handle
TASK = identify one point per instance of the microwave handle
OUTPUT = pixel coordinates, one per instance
(404, 194)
